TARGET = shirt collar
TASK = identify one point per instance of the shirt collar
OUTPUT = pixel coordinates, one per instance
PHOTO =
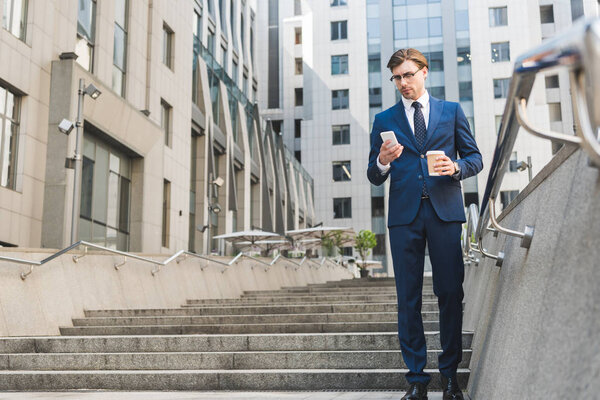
(424, 100)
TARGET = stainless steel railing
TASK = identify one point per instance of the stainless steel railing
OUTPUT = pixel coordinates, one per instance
(578, 51)
(159, 264)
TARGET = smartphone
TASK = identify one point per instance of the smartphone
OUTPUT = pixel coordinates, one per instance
(387, 135)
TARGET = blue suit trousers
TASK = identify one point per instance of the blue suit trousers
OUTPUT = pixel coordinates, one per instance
(407, 243)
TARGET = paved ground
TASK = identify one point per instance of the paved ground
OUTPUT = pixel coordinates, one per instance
(101, 395)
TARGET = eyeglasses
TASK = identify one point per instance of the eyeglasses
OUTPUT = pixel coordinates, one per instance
(407, 76)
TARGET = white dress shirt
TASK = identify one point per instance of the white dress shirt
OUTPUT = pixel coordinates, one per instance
(410, 115)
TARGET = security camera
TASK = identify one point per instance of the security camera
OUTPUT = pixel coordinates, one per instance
(65, 126)
(219, 181)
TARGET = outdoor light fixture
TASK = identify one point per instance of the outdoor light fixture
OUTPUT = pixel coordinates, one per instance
(216, 208)
(202, 228)
(66, 126)
(219, 181)
(92, 91)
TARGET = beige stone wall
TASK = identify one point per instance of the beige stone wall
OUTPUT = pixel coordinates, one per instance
(62, 289)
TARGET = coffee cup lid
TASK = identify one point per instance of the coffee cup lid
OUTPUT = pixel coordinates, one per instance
(435, 152)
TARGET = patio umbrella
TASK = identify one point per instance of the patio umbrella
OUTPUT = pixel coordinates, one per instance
(267, 245)
(248, 236)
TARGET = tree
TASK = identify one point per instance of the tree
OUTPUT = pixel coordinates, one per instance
(364, 242)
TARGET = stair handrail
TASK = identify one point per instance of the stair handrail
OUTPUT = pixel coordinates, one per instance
(75, 245)
(577, 50)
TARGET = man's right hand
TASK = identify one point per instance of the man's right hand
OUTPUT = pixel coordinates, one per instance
(387, 155)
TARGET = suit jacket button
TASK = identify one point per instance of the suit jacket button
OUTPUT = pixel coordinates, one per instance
(422, 156)
(420, 176)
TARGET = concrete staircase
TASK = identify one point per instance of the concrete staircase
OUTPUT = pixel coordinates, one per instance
(334, 336)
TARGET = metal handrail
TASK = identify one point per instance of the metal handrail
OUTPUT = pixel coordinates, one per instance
(578, 51)
(126, 255)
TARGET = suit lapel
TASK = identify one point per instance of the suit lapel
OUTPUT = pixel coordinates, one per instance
(435, 112)
(400, 117)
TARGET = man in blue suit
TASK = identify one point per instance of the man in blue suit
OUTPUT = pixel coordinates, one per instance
(425, 209)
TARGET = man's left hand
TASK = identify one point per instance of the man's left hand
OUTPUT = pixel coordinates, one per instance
(444, 166)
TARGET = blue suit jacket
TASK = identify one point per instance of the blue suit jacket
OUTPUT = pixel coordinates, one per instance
(448, 130)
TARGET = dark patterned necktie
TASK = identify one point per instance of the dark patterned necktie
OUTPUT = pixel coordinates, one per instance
(420, 133)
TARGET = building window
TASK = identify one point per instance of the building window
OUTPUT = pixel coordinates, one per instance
(547, 14)
(14, 18)
(297, 128)
(86, 27)
(120, 47)
(335, 3)
(341, 171)
(234, 72)
(10, 105)
(167, 55)
(297, 7)
(552, 82)
(507, 196)
(210, 42)
(339, 99)
(105, 195)
(465, 91)
(554, 112)
(245, 84)
(298, 35)
(341, 134)
(298, 155)
(377, 208)
(166, 211)
(166, 121)
(498, 16)
(342, 207)
(463, 56)
(512, 163)
(298, 68)
(339, 64)
(498, 122)
(339, 30)
(500, 52)
(299, 97)
(501, 88)
(379, 249)
(375, 97)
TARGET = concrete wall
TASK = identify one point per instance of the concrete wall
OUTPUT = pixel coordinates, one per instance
(537, 319)
(62, 289)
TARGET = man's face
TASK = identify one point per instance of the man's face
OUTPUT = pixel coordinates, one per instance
(414, 87)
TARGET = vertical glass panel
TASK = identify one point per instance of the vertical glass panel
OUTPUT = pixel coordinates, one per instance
(2, 100)
(120, 12)
(115, 162)
(122, 241)
(462, 20)
(87, 179)
(89, 149)
(400, 29)
(100, 185)
(4, 156)
(119, 47)
(113, 199)
(85, 230)
(435, 27)
(99, 234)
(117, 80)
(417, 28)
(111, 238)
(84, 53)
(124, 205)
(10, 105)
(6, 14)
(85, 19)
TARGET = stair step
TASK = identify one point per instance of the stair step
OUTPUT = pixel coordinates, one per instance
(326, 379)
(215, 360)
(299, 299)
(306, 290)
(257, 309)
(240, 319)
(200, 343)
(240, 328)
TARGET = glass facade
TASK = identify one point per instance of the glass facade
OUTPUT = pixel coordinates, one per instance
(9, 135)
(105, 195)
(14, 18)
(120, 47)
(86, 28)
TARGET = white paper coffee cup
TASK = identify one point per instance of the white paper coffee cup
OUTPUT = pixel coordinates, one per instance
(432, 155)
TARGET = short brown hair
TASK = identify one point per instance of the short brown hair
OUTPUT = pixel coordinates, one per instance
(402, 55)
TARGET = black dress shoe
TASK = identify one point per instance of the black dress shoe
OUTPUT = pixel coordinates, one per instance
(417, 391)
(451, 389)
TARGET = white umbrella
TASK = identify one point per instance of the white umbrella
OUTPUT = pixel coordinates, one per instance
(318, 232)
(247, 236)
(267, 245)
